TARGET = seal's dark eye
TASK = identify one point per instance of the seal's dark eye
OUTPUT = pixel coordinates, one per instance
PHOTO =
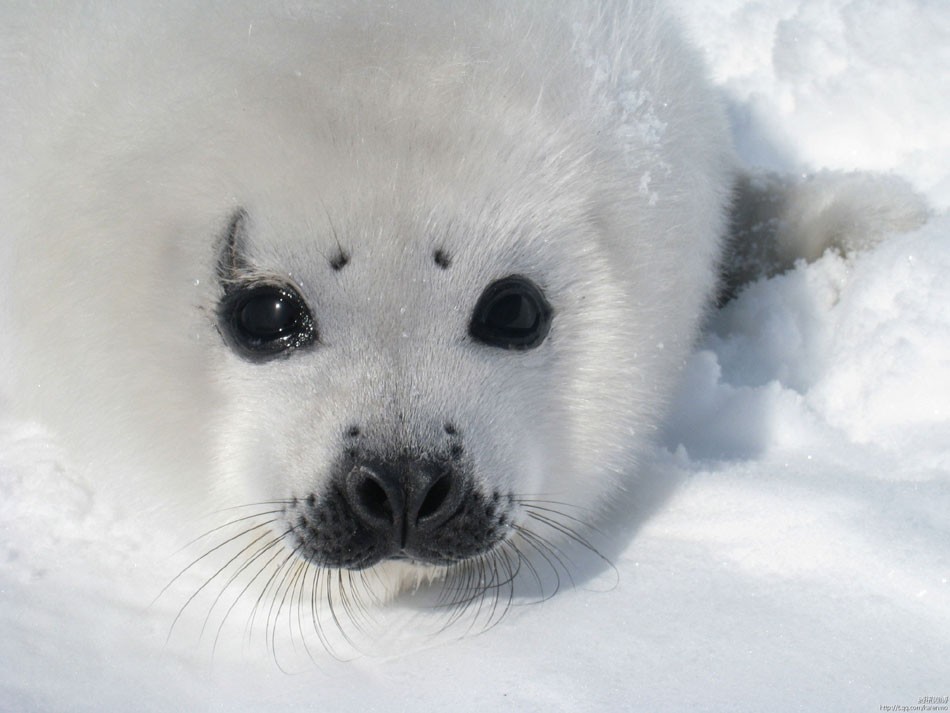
(511, 314)
(261, 321)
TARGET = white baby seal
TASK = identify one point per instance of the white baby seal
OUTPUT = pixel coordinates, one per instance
(418, 276)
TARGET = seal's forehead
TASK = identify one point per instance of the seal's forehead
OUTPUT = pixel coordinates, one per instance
(510, 205)
(403, 246)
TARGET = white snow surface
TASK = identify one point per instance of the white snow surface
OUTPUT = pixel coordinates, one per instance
(790, 544)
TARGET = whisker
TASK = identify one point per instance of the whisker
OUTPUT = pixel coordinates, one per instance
(300, 608)
(524, 559)
(325, 575)
(225, 525)
(211, 578)
(208, 554)
(231, 579)
(262, 503)
(509, 585)
(347, 595)
(270, 627)
(247, 586)
(333, 610)
(299, 571)
(540, 545)
(360, 611)
(531, 507)
(264, 590)
(491, 591)
(318, 574)
(556, 505)
(566, 562)
(571, 534)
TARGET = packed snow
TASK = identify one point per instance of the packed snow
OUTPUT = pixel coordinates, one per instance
(787, 547)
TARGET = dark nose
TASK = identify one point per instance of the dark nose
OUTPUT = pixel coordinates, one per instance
(403, 500)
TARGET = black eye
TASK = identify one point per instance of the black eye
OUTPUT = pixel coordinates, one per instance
(511, 314)
(261, 321)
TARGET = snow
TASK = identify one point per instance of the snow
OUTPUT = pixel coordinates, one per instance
(789, 547)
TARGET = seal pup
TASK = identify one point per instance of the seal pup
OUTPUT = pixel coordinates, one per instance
(410, 283)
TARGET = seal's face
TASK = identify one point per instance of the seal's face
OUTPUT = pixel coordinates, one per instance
(401, 416)
(390, 493)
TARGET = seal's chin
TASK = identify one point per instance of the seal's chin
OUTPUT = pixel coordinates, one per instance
(398, 576)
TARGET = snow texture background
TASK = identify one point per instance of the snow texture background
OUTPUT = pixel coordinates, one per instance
(790, 549)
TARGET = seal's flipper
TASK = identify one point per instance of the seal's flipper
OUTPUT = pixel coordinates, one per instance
(778, 219)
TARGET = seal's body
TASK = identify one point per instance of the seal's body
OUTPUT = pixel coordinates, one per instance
(403, 269)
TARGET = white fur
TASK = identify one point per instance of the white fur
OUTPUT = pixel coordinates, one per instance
(576, 143)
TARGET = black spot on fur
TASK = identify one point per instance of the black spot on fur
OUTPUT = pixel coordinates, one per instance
(442, 259)
(339, 261)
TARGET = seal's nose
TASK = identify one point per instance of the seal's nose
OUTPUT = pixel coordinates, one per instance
(426, 507)
(405, 500)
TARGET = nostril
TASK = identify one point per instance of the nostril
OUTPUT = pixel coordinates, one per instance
(373, 499)
(436, 497)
